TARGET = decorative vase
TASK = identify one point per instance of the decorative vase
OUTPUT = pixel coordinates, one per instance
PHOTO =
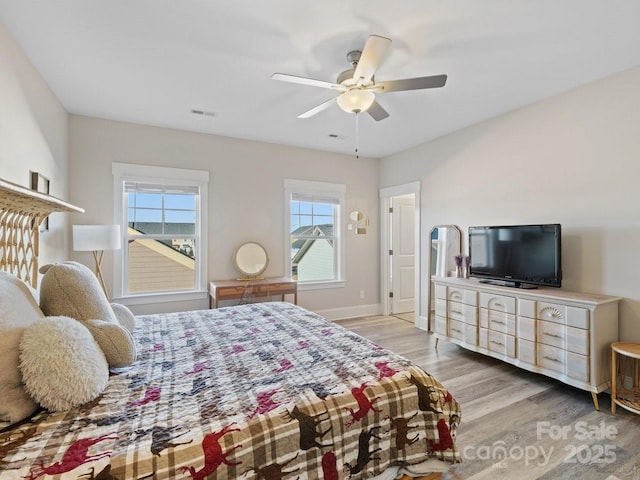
(459, 271)
(465, 267)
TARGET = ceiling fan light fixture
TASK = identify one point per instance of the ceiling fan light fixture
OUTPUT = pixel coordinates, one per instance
(356, 100)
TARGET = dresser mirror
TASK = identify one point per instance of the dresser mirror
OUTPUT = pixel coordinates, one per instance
(445, 243)
(250, 260)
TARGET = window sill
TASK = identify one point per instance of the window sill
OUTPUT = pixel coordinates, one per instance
(150, 298)
(321, 285)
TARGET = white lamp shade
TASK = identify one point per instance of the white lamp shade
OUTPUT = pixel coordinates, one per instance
(356, 100)
(96, 237)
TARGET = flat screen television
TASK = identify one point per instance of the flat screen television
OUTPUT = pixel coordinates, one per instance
(516, 255)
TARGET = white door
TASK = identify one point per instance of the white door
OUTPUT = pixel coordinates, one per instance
(402, 255)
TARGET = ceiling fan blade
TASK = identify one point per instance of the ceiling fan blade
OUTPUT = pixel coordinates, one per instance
(434, 81)
(317, 109)
(377, 112)
(372, 54)
(284, 77)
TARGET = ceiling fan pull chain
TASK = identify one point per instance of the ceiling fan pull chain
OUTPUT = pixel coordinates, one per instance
(357, 135)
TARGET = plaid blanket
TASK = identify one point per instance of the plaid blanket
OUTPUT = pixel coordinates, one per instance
(265, 391)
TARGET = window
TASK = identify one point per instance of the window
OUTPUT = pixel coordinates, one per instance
(162, 213)
(314, 238)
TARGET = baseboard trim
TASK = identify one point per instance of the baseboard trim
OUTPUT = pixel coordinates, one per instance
(350, 312)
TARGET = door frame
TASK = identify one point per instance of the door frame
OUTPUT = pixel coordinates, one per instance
(385, 240)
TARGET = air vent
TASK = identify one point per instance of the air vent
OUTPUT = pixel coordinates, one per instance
(203, 112)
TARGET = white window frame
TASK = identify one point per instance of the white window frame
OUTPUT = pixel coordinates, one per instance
(336, 190)
(126, 172)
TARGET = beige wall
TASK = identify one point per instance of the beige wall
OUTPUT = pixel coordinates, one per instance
(246, 197)
(33, 137)
(572, 159)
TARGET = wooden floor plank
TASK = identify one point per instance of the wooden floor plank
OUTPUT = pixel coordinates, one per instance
(522, 412)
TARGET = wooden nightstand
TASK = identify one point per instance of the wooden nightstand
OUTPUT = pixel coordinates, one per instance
(249, 289)
(625, 376)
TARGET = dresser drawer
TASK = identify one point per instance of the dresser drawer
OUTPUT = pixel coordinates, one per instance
(441, 307)
(440, 325)
(526, 351)
(498, 321)
(463, 331)
(456, 329)
(463, 312)
(526, 308)
(462, 295)
(568, 338)
(559, 360)
(571, 316)
(552, 358)
(526, 328)
(498, 342)
(441, 291)
(499, 303)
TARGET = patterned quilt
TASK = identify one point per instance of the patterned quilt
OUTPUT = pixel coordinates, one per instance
(266, 391)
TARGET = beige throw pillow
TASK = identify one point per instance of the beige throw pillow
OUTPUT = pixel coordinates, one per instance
(18, 311)
(115, 342)
(71, 289)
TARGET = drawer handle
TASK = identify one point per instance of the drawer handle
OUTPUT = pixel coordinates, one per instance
(499, 322)
(552, 335)
(552, 359)
(500, 305)
(496, 343)
(456, 330)
(457, 312)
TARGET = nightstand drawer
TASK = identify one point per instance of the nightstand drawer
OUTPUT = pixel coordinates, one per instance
(228, 293)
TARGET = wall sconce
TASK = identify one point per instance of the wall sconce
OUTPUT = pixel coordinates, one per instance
(97, 239)
(361, 223)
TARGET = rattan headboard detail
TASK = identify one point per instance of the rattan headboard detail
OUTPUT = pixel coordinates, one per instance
(21, 213)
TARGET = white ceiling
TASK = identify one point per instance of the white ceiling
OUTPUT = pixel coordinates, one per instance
(154, 61)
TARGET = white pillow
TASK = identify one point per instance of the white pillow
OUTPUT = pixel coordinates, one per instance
(18, 310)
(62, 365)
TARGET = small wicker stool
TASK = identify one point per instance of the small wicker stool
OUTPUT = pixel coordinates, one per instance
(625, 376)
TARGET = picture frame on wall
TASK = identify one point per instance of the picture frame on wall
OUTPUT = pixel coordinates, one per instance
(41, 184)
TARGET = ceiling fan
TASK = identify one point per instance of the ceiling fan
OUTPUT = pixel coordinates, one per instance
(357, 86)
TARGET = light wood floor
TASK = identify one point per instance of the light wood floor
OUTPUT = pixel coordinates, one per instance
(548, 430)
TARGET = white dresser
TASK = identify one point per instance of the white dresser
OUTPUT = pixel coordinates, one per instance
(564, 335)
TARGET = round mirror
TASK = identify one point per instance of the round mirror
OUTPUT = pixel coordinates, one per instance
(250, 259)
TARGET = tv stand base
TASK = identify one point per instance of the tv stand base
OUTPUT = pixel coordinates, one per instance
(506, 283)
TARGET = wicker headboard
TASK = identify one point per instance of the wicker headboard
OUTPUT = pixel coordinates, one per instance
(21, 213)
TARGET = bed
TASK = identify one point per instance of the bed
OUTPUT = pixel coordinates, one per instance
(265, 390)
